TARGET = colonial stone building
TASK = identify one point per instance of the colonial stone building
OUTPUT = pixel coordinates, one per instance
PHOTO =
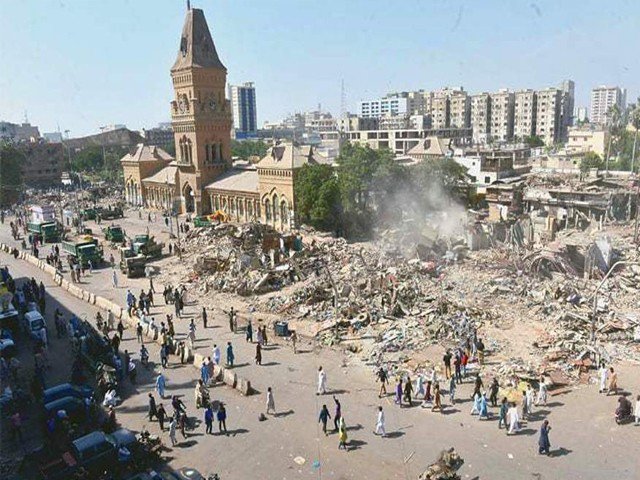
(201, 179)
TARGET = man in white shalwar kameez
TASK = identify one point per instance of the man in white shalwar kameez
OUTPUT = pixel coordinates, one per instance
(380, 430)
(322, 382)
(604, 377)
(514, 419)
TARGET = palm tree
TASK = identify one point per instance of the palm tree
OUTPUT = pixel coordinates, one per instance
(635, 121)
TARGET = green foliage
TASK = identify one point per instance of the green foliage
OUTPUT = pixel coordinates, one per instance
(368, 187)
(318, 196)
(10, 174)
(98, 163)
(248, 148)
(589, 161)
(533, 141)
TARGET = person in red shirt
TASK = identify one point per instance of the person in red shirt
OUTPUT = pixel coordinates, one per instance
(464, 361)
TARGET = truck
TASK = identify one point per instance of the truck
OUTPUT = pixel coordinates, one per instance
(113, 233)
(147, 246)
(47, 232)
(132, 264)
(110, 213)
(84, 249)
(88, 214)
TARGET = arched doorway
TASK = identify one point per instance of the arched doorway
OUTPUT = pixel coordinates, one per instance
(189, 199)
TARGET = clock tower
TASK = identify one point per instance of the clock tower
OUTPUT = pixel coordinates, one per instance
(200, 113)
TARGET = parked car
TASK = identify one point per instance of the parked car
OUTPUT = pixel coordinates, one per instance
(35, 324)
(74, 407)
(66, 390)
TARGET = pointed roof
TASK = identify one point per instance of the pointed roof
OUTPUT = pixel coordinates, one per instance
(146, 153)
(196, 45)
(286, 155)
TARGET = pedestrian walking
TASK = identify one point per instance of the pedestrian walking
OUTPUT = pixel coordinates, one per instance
(514, 419)
(153, 410)
(249, 332)
(294, 341)
(192, 334)
(383, 378)
(342, 434)
(408, 391)
(636, 412)
(542, 392)
(322, 382)
(161, 384)
(204, 317)
(258, 354)
(204, 373)
(324, 418)
(216, 354)
(172, 431)
(271, 404)
(493, 392)
(114, 278)
(613, 382)
(380, 429)
(543, 441)
(604, 377)
(139, 333)
(502, 415)
(120, 329)
(230, 355)
(208, 420)
(164, 361)
(398, 397)
(446, 360)
(452, 390)
(162, 415)
(338, 413)
(222, 419)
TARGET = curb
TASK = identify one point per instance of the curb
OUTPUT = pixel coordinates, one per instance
(227, 376)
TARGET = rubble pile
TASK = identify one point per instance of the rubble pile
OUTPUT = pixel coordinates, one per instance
(445, 467)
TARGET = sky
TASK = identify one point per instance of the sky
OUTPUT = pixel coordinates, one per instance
(81, 64)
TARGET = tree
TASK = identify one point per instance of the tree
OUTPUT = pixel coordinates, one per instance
(589, 161)
(248, 148)
(533, 141)
(11, 181)
(318, 196)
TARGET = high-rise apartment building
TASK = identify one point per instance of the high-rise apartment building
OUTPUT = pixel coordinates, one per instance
(501, 124)
(603, 99)
(243, 109)
(480, 117)
(440, 110)
(418, 102)
(548, 108)
(459, 109)
(567, 105)
(383, 106)
(524, 117)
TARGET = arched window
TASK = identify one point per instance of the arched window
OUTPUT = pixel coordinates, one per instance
(275, 208)
(190, 152)
(267, 210)
(206, 153)
(284, 213)
(250, 209)
(240, 207)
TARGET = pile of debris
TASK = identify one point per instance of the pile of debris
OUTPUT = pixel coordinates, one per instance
(445, 468)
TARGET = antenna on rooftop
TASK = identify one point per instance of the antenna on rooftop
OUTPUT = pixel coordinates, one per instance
(26, 117)
(188, 5)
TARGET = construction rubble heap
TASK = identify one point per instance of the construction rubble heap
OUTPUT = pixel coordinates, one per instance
(393, 298)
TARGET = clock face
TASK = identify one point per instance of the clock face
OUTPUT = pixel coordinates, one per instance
(182, 105)
(212, 104)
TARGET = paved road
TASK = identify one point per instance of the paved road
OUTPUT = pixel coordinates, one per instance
(587, 442)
